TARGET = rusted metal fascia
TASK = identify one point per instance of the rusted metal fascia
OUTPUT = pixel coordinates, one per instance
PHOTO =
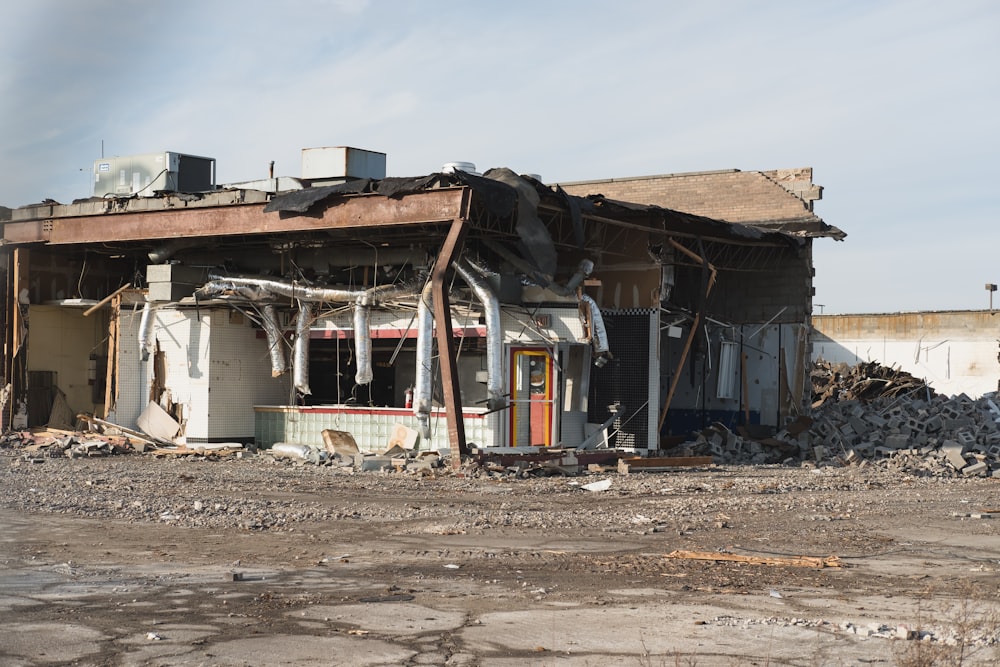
(446, 346)
(362, 211)
(695, 326)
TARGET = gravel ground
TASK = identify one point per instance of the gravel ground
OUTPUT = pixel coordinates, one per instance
(909, 544)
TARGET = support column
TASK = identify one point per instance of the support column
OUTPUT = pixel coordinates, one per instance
(445, 342)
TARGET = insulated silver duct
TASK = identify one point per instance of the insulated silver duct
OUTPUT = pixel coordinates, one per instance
(362, 343)
(291, 289)
(598, 332)
(362, 322)
(583, 271)
(147, 341)
(495, 399)
(425, 350)
(275, 341)
(300, 351)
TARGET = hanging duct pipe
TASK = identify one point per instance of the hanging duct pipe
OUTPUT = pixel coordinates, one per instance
(146, 328)
(495, 399)
(362, 322)
(583, 271)
(275, 341)
(598, 332)
(425, 350)
(300, 351)
(362, 343)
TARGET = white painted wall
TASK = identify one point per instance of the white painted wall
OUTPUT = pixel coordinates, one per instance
(955, 352)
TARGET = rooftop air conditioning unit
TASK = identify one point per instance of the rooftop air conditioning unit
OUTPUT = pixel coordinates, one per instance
(337, 164)
(153, 173)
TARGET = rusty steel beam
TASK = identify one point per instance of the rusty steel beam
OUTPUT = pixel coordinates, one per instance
(446, 342)
(353, 212)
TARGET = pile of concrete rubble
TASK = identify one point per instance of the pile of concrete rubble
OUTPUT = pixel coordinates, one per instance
(873, 415)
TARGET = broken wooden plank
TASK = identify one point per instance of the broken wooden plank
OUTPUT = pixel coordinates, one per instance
(793, 561)
(661, 463)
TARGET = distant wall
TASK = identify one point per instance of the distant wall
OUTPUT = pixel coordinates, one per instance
(956, 352)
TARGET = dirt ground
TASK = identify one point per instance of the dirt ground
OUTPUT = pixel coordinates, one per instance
(132, 560)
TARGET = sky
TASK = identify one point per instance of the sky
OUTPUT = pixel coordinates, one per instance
(894, 104)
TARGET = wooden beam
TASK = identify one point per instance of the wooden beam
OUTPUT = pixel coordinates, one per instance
(353, 212)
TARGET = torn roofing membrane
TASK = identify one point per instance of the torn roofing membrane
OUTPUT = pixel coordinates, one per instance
(502, 192)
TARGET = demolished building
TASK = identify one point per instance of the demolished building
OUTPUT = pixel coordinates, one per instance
(489, 309)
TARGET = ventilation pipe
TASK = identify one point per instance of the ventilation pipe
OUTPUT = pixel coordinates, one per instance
(300, 351)
(425, 349)
(275, 341)
(363, 300)
(495, 399)
(362, 343)
(362, 322)
(598, 332)
(289, 289)
(583, 271)
(146, 328)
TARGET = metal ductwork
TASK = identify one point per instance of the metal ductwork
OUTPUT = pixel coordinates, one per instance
(300, 351)
(494, 335)
(422, 388)
(289, 289)
(362, 322)
(362, 343)
(583, 271)
(275, 340)
(147, 341)
(591, 314)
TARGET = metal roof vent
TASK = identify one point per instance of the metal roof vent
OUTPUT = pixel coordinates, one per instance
(452, 167)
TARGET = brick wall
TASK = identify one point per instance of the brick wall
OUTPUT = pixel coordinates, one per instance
(751, 197)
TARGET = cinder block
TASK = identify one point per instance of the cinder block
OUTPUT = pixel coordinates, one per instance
(933, 424)
(875, 420)
(896, 441)
(966, 438)
(975, 469)
(953, 454)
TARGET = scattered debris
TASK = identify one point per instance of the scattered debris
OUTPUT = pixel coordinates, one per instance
(602, 485)
(306, 453)
(793, 561)
(660, 464)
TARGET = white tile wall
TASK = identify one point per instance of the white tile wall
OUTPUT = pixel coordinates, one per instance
(217, 369)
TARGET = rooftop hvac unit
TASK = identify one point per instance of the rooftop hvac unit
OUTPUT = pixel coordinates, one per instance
(153, 173)
(336, 164)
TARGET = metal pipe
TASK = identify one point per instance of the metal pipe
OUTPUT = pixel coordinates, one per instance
(362, 343)
(423, 380)
(147, 340)
(362, 322)
(495, 399)
(598, 332)
(291, 289)
(300, 351)
(583, 271)
(275, 340)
